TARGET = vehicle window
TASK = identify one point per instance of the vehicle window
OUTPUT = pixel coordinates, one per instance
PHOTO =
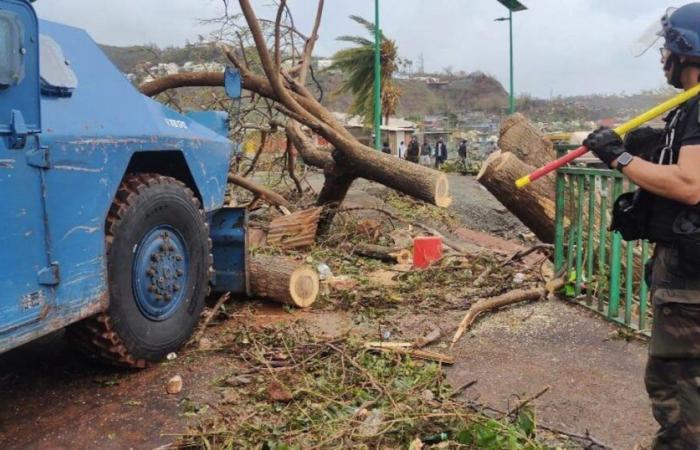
(10, 49)
(57, 77)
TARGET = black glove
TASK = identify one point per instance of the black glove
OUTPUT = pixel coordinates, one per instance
(605, 144)
(644, 141)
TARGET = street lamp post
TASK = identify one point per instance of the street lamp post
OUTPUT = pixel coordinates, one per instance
(377, 79)
(513, 6)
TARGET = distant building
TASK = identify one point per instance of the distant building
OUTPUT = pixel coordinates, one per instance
(395, 131)
(436, 82)
(324, 63)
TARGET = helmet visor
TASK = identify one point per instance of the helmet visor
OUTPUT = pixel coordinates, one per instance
(651, 35)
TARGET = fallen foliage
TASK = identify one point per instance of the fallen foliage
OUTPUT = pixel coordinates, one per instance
(294, 390)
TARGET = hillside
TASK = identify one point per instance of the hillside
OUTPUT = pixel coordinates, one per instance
(476, 91)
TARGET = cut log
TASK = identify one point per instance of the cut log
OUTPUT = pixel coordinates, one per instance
(522, 149)
(521, 138)
(386, 254)
(259, 191)
(534, 206)
(296, 230)
(415, 180)
(283, 280)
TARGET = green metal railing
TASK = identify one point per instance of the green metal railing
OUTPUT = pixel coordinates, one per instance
(603, 272)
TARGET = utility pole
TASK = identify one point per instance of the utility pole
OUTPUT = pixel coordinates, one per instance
(377, 79)
(513, 6)
(512, 87)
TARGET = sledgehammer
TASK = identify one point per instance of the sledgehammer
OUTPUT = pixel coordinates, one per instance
(621, 130)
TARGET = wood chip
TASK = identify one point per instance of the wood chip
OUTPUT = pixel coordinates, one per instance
(296, 230)
(174, 385)
(278, 393)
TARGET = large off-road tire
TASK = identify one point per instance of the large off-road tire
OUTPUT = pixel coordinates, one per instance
(158, 262)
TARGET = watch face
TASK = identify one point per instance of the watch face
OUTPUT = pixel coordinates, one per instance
(624, 159)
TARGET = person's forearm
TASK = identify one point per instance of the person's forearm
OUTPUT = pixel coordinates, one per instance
(666, 181)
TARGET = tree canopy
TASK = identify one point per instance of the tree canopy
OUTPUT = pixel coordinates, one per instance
(357, 63)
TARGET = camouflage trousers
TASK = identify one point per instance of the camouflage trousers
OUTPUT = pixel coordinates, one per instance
(672, 375)
(674, 389)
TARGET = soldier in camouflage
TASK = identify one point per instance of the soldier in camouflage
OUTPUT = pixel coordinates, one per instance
(666, 210)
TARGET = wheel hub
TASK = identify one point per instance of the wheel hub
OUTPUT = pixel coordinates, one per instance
(160, 272)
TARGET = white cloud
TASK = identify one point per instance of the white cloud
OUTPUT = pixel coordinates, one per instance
(561, 46)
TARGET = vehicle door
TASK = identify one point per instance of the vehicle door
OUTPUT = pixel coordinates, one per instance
(26, 274)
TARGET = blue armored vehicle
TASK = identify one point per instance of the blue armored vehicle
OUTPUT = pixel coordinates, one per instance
(111, 216)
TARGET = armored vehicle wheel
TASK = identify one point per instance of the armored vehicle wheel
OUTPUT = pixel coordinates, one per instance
(158, 261)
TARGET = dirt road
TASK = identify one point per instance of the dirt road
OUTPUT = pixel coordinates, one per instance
(53, 398)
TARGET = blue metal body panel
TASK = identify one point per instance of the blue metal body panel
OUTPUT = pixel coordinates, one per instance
(57, 190)
(228, 235)
(214, 120)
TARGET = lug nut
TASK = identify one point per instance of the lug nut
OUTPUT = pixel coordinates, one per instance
(150, 272)
(154, 257)
(152, 288)
(176, 287)
(179, 272)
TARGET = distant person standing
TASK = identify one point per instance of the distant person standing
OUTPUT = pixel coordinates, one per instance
(402, 150)
(425, 153)
(413, 150)
(462, 152)
(385, 148)
(440, 153)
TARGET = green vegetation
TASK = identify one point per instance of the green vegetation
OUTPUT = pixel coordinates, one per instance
(295, 391)
(358, 63)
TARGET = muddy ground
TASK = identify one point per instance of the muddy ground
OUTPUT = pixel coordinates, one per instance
(54, 398)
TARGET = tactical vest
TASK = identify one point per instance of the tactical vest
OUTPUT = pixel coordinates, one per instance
(663, 211)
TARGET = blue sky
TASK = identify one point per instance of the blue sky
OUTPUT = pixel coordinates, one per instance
(562, 47)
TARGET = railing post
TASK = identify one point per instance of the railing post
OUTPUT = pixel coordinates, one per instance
(579, 233)
(615, 261)
(590, 242)
(560, 203)
(643, 290)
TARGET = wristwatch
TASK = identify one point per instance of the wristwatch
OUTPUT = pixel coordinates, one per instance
(623, 160)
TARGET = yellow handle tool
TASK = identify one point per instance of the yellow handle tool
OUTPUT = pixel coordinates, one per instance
(621, 130)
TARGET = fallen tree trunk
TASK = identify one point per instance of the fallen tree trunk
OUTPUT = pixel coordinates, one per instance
(386, 254)
(520, 137)
(522, 149)
(415, 180)
(283, 280)
(259, 191)
(534, 206)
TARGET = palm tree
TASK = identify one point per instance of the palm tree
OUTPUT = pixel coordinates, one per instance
(357, 63)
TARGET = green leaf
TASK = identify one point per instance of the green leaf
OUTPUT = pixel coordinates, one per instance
(465, 437)
(526, 422)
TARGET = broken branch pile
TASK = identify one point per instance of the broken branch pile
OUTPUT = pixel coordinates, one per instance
(295, 390)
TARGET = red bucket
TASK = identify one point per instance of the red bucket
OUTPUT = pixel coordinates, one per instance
(426, 250)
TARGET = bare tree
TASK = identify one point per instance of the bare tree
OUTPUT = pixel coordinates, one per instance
(274, 60)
